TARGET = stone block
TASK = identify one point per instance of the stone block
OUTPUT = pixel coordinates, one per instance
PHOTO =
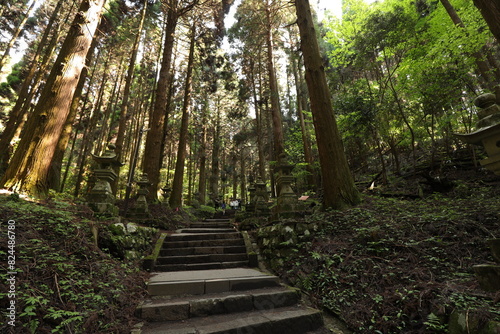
(238, 303)
(176, 288)
(165, 312)
(488, 276)
(217, 285)
(206, 307)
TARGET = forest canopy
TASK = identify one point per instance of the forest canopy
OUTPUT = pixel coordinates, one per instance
(211, 108)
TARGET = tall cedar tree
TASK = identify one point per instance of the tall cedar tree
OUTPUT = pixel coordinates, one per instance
(177, 184)
(29, 167)
(153, 148)
(338, 184)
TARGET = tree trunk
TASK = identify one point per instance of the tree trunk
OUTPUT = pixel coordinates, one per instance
(258, 122)
(32, 160)
(128, 84)
(279, 142)
(491, 13)
(338, 185)
(24, 96)
(202, 153)
(153, 146)
(177, 184)
(481, 64)
(54, 178)
(214, 175)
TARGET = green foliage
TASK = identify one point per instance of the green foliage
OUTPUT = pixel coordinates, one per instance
(63, 280)
(399, 66)
(395, 266)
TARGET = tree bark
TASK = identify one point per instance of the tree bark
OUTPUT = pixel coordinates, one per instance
(154, 140)
(32, 160)
(279, 142)
(24, 96)
(202, 153)
(491, 14)
(152, 149)
(338, 185)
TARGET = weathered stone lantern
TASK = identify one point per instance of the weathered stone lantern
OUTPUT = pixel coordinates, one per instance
(101, 198)
(488, 136)
(250, 206)
(287, 203)
(141, 209)
(488, 130)
(166, 196)
(261, 198)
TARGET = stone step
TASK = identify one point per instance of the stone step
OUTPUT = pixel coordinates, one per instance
(200, 266)
(203, 258)
(208, 281)
(206, 230)
(222, 224)
(183, 308)
(203, 250)
(201, 236)
(290, 320)
(217, 220)
(237, 241)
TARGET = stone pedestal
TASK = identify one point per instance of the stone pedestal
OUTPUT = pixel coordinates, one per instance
(101, 198)
(140, 210)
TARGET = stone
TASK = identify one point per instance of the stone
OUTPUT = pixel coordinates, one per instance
(140, 210)
(495, 248)
(101, 198)
(488, 131)
(488, 276)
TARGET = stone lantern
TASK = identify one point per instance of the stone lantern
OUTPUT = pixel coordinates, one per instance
(287, 203)
(250, 206)
(141, 209)
(488, 136)
(260, 199)
(488, 130)
(166, 195)
(101, 198)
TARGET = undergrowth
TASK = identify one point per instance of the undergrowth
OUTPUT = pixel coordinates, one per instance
(401, 266)
(64, 283)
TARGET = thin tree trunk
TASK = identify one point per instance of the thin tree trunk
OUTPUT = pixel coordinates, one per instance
(177, 184)
(338, 185)
(481, 64)
(279, 142)
(32, 160)
(3, 59)
(202, 184)
(214, 175)
(128, 84)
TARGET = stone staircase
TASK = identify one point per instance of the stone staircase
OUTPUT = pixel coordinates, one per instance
(202, 284)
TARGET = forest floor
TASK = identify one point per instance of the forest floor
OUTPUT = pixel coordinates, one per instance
(399, 263)
(394, 264)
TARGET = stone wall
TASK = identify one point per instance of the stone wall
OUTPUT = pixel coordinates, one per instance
(277, 242)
